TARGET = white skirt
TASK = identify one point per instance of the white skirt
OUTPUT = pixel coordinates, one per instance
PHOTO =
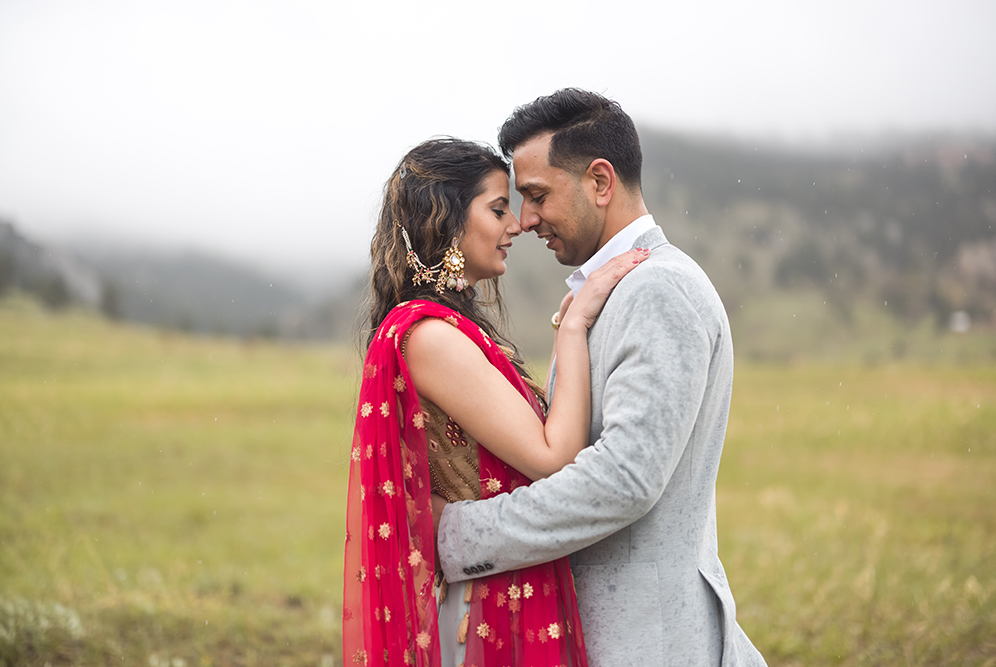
(451, 613)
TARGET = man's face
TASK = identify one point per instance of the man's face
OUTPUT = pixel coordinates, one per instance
(555, 204)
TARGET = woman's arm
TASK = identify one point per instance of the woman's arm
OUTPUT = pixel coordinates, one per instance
(449, 370)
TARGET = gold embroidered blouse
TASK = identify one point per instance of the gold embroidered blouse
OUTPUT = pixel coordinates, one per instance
(453, 464)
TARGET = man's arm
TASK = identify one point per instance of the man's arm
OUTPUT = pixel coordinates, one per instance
(656, 363)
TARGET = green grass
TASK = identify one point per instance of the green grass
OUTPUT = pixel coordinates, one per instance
(801, 325)
(169, 500)
(181, 495)
(857, 513)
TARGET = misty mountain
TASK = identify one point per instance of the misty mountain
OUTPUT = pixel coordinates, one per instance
(56, 277)
(181, 290)
(192, 291)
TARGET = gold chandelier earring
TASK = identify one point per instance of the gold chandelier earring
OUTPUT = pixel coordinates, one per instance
(447, 274)
(451, 275)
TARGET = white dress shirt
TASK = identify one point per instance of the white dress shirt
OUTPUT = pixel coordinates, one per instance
(617, 245)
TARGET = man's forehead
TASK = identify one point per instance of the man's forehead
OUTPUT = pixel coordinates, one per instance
(525, 182)
(531, 163)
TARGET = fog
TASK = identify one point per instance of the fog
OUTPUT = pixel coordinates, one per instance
(263, 131)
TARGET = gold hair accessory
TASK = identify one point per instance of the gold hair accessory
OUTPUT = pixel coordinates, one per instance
(447, 274)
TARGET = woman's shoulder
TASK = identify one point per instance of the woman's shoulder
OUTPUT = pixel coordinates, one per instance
(445, 341)
(436, 334)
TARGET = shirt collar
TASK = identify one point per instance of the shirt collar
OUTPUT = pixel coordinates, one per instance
(617, 245)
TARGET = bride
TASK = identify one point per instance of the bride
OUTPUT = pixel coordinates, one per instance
(447, 408)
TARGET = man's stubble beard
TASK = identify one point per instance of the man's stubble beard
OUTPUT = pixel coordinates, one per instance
(583, 241)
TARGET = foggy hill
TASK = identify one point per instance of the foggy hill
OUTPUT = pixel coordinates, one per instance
(182, 290)
(55, 277)
(192, 291)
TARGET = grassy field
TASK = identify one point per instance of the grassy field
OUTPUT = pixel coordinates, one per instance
(177, 501)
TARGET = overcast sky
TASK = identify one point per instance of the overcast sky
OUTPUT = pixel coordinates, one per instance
(265, 130)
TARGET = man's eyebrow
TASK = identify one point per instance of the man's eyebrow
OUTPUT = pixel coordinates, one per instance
(528, 185)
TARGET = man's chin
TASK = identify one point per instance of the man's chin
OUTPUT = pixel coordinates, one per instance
(565, 259)
(562, 253)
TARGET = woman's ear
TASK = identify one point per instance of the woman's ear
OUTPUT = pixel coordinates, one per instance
(602, 176)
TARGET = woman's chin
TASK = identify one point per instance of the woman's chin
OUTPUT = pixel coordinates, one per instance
(494, 273)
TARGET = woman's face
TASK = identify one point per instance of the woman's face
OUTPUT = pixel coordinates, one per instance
(490, 228)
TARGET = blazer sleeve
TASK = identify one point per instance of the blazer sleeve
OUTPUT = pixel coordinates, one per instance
(655, 364)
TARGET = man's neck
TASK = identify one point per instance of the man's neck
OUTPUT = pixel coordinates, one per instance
(619, 243)
(619, 218)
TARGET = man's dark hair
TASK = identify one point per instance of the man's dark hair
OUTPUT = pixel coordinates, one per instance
(585, 125)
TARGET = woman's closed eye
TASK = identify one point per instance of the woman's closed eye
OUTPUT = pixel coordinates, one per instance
(499, 212)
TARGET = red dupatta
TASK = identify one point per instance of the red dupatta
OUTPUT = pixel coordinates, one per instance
(526, 617)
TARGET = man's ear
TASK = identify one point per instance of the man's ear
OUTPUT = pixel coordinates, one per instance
(602, 176)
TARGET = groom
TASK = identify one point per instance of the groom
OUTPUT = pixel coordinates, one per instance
(637, 509)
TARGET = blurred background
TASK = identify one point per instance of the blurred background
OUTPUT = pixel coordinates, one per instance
(187, 194)
(217, 167)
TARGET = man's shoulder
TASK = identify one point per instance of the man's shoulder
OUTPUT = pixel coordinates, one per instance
(666, 270)
(668, 289)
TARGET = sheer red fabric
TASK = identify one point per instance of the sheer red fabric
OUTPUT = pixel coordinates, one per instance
(525, 617)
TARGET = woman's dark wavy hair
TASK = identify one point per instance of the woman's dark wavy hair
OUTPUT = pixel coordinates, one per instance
(429, 194)
(585, 125)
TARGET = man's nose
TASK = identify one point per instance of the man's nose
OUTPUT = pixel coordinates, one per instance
(528, 217)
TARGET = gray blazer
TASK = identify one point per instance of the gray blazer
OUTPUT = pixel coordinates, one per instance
(637, 508)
